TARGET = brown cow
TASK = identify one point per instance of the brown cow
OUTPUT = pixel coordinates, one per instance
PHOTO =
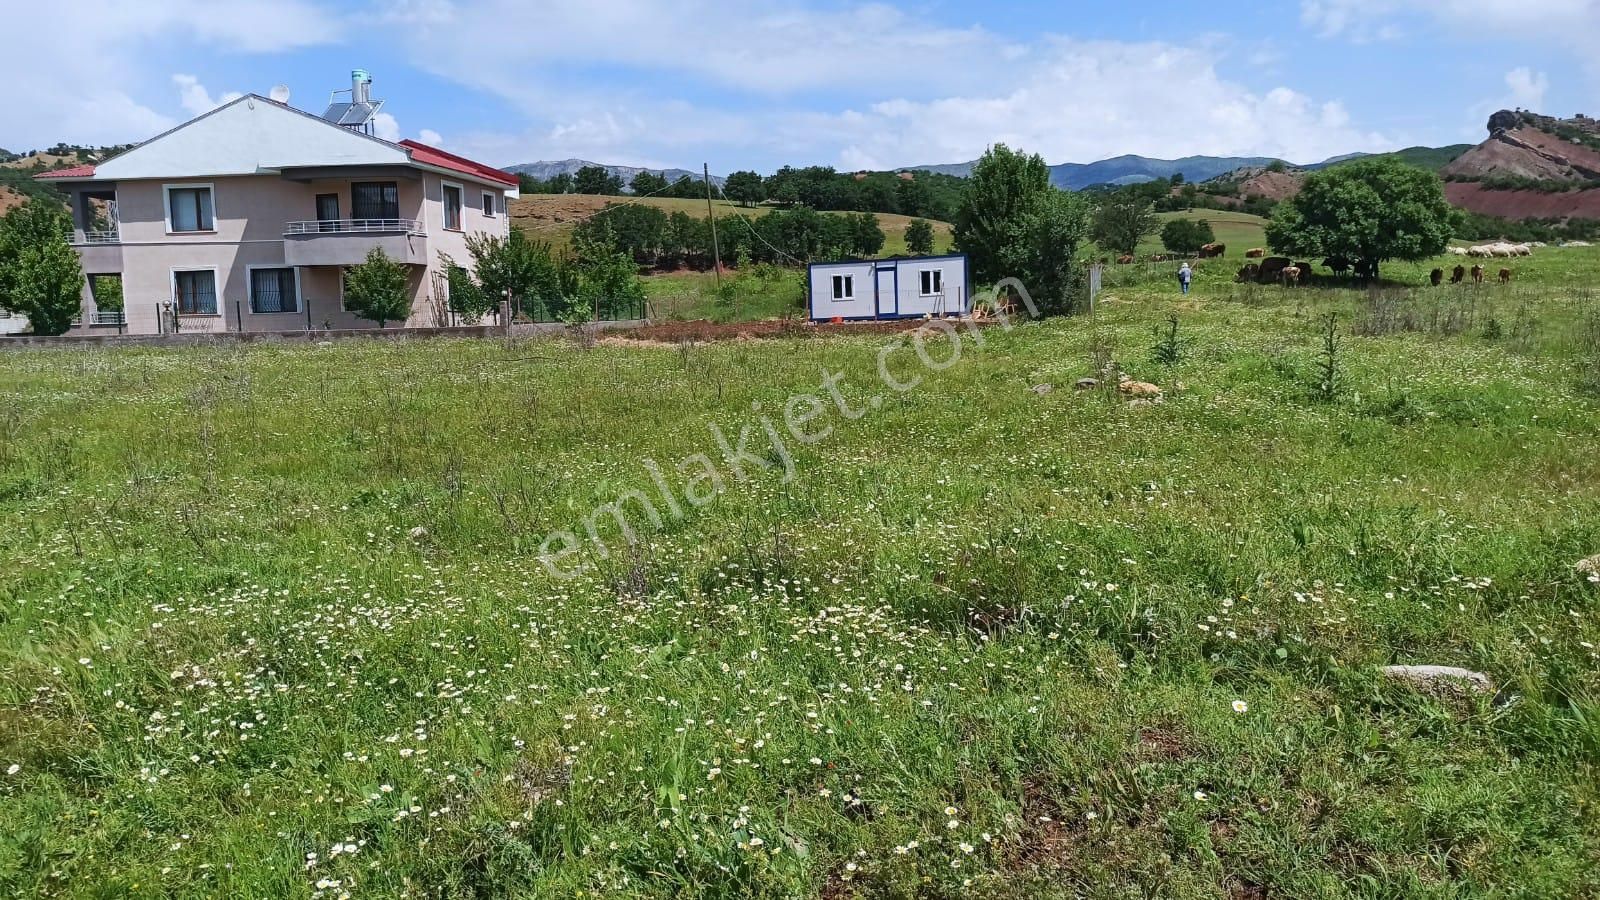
(1255, 253)
(1306, 271)
(1505, 276)
(1125, 260)
(1459, 275)
(1213, 251)
(1289, 276)
(1272, 266)
(1436, 277)
(1248, 274)
(1477, 274)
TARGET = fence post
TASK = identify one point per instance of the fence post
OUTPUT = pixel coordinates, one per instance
(505, 317)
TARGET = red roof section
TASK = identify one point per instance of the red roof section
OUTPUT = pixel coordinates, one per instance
(433, 156)
(74, 172)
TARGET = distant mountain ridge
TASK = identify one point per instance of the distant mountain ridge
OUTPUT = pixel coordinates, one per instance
(1131, 169)
(544, 170)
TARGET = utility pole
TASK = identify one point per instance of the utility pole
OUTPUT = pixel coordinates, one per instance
(716, 248)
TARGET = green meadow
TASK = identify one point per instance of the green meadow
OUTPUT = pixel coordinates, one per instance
(279, 620)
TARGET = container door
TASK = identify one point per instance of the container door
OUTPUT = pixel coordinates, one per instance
(888, 289)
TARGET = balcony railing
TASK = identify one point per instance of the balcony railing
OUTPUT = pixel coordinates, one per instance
(108, 236)
(355, 226)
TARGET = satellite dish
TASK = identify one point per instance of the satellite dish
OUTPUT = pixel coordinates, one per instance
(280, 93)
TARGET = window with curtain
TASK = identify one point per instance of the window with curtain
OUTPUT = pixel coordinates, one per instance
(189, 209)
(375, 200)
(273, 291)
(195, 292)
(452, 207)
(327, 207)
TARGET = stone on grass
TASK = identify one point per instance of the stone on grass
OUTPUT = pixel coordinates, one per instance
(419, 533)
(1043, 389)
(1590, 566)
(1447, 678)
(1087, 384)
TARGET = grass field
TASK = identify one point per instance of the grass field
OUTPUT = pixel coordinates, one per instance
(273, 620)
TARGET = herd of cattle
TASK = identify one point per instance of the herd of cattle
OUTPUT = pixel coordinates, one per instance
(1284, 271)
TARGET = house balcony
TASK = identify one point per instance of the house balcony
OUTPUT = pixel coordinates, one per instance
(346, 242)
(100, 252)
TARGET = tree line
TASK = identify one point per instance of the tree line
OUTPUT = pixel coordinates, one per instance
(653, 238)
(922, 194)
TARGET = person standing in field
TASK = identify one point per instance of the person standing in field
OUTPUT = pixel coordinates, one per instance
(1185, 275)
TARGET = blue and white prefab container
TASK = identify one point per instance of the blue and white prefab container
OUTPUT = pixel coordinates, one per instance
(902, 288)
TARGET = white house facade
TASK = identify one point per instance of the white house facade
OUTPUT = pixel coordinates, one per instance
(901, 288)
(245, 218)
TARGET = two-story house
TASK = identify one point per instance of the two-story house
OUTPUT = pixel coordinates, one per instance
(245, 218)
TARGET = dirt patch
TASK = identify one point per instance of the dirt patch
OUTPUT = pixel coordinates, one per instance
(1165, 743)
(1523, 204)
(1047, 839)
(671, 334)
(10, 199)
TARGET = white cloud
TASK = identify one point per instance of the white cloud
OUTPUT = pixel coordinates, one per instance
(91, 78)
(430, 137)
(919, 92)
(196, 100)
(386, 127)
(1527, 88)
(1571, 23)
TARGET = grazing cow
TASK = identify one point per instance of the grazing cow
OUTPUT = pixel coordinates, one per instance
(1505, 276)
(1436, 277)
(1255, 253)
(1306, 271)
(1459, 275)
(1272, 266)
(1289, 276)
(1213, 251)
(1337, 264)
(1125, 260)
(1248, 274)
(1477, 274)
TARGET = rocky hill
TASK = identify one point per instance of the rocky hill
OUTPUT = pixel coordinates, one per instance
(1531, 167)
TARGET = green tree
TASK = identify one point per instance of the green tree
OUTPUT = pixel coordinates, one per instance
(866, 235)
(527, 270)
(745, 188)
(596, 180)
(1041, 249)
(378, 289)
(648, 184)
(1122, 221)
(1369, 212)
(40, 276)
(1005, 188)
(608, 282)
(1186, 235)
(919, 238)
(467, 298)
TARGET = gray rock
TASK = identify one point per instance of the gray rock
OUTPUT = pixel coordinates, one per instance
(1087, 384)
(1590, 566)
(1446, 677)
(1043, 389)
(419, 533)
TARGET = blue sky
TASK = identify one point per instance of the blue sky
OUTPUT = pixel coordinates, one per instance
(757, 84)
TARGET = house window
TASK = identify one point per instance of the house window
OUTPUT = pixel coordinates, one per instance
(844, 287)
(274, 291)
(488, 203)
(327, 207)
(189, 209)
(375, 200)
(452, 207)
(195, 292)
(932, 282)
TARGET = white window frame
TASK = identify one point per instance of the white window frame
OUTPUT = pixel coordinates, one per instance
(166, 207)
(931, 278)
(343, 271)
(505, 204)
(444, 207)
(299, 295)
(216, 288)
(489, 204)
(844, 288)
